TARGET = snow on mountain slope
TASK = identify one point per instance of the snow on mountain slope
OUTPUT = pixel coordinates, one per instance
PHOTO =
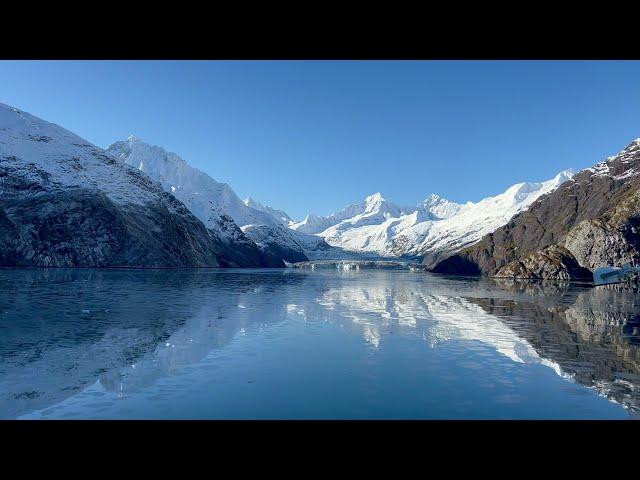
(66, 202)
(435, 228)
(474, 220)
(373, 210)
(46, 149)
(207, 199)
(277, 214)
(438, 208)
(210, 200)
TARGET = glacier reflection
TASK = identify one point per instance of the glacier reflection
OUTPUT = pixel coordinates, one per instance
(70, 331)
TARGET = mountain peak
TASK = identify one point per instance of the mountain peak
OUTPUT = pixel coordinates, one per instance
(632, 147)
(4, 106)
(438, 207)
(133, 138)
(433, 199)
(376, 197)
(564, 176)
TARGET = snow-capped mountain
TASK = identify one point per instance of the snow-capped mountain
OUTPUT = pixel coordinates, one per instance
(373, 210)
(434, 229)
(210, 201)
(66, 202)
(438, 208)
(438, 239)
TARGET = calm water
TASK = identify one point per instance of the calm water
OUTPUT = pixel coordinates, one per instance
(323, 344)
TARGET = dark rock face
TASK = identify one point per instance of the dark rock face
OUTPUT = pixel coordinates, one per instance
(238, 250)
(612, 239)
(553, 262)
(277, 243)
(85, 228)
(287, 254)
(8, 236)
(595, 216)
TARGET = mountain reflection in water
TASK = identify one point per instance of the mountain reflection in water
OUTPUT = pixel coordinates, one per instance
(64, 332)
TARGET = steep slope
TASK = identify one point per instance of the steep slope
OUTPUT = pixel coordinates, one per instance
(438, 208)
(595, 217)
(66, 202)
(210, 201)
(472, 221)
(279, 215)
(433, 230)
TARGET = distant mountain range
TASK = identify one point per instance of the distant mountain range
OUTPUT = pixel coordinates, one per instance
(432, 230)
(66, 202)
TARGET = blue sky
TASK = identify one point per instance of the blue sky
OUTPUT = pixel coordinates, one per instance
(314, 136)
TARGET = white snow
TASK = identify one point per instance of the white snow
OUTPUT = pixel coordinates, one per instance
(33, 146)
(208, 199)
(628, 174)
(277, 214)
(373, 227)
(600, 169)
(436, 224)
(373, 210)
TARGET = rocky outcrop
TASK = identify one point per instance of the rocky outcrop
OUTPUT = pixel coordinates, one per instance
(611, 239)
(276, 241)
(554, 262)
(595, 216)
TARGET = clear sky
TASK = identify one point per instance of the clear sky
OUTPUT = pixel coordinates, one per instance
(314, 136)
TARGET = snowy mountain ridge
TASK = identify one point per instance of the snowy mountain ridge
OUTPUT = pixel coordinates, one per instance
(40, 156)
(277, 214)
(374, 208)
(374, 227)
(435, 228)
(210, 201)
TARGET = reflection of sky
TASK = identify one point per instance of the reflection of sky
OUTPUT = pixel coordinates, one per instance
(278, 327)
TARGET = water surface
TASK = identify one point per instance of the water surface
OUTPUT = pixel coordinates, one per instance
(274, 344)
